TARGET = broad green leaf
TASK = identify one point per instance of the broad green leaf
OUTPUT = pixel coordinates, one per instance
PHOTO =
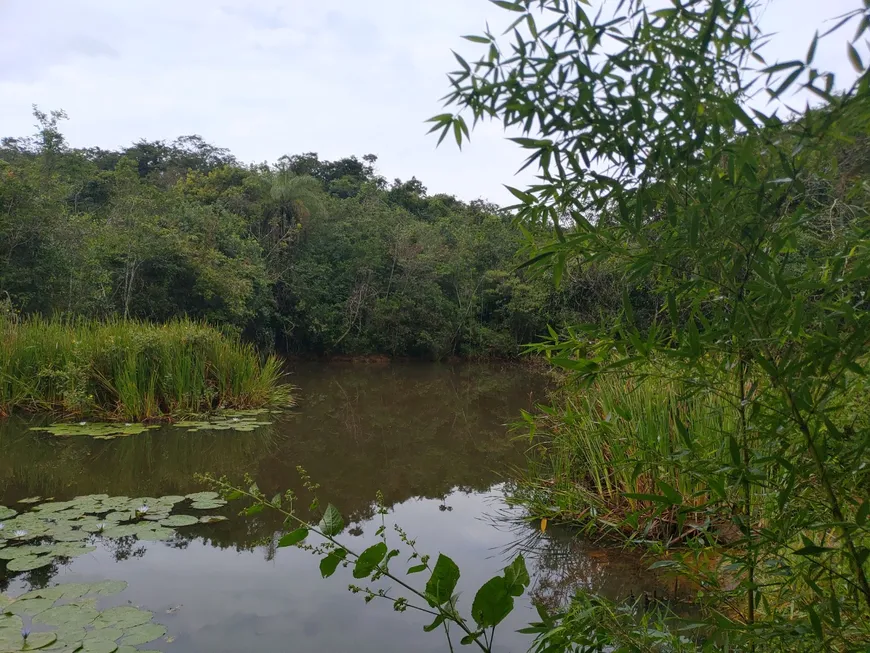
(369, 560)
(293, 538)
(443, 581)
(330, 563)
(492, 603)
(332, 522)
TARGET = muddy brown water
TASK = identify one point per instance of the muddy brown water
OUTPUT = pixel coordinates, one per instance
(433, 438)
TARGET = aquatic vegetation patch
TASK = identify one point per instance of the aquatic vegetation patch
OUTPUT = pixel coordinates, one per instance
(232, 422)
(66, 618)
(66, 529)
(96, 430)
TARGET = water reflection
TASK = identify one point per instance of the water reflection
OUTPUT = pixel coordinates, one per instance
(431, 438)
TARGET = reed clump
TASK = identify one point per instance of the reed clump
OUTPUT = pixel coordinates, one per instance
(131, 370)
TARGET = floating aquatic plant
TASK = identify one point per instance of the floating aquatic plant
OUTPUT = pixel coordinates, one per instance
(226, 422)
(65, 529)
(97, 430)
(68, 620)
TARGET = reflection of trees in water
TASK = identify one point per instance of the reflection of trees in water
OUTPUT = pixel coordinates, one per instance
(154, 463)
(408, 430)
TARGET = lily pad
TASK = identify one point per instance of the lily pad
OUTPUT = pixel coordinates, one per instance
(108, 587)
(175, 521)
(27, 563)
(71, 615)
(203, 496)
(97, 646)
(34, 642)
(99, 430)
(207, 505)
(158, 534)
(123, 617)
(212, 519)
(7, 513)
(30, 607)
(235, 422)
(143, 634)
(30, 500)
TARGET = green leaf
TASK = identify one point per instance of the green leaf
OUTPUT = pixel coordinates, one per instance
(492, 603)
(855, 58)
(330, 563)
(293, 538)
(510, 6)
(369, 560)
(812, 550)
(863, 512)
(443, 581)
(517, 576)
(672, 495)
(477, 39)
(416, 569)
(438, 621)
(332, 522)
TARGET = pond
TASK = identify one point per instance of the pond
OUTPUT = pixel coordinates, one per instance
(433, 438)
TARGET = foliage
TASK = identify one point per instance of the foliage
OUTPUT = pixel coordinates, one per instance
(130, 370)
(316, 257)
(69, 620)
(655, 155)
(596, 449)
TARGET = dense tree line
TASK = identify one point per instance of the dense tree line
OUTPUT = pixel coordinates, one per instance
(310, 255)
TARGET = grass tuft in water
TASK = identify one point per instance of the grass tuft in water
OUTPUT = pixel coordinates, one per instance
(595, 447)
(130, 370)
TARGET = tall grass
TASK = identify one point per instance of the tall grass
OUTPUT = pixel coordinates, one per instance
(594, 446)
(131, 370)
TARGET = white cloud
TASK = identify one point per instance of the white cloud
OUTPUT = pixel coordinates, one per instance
(265, 77)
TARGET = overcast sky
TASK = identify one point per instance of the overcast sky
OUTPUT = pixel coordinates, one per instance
(271, 77)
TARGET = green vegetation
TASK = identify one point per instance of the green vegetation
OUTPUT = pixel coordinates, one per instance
(66, 529)
(130, 370)
(750, 230)
(68, 620)
(310, 256)
(597, 450)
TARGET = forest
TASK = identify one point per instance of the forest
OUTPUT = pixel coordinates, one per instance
(303, 255)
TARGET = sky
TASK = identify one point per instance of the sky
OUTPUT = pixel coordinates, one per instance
(265, 78)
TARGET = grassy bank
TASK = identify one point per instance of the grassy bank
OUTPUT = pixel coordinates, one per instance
(594, 448)
(129, 370)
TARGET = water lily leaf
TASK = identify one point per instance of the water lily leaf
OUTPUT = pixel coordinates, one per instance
(97, 527)
(110, 634)
(68, 591)
(99, 430)
(26, 563)
(116, 532)
(143, 634)
(71, 615)
(30, 607)
(212, 519)
(30, 500)
(7, 513)
(34, 642)
(107, 587)
(71, 550)
(207, 505)
(98, 646)
(13, 552)
(123, 617)
(54, 506)
(203, 496)
(150, 533)
(176, 521)
(171, 499)
(69, 536)
(120, 515)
